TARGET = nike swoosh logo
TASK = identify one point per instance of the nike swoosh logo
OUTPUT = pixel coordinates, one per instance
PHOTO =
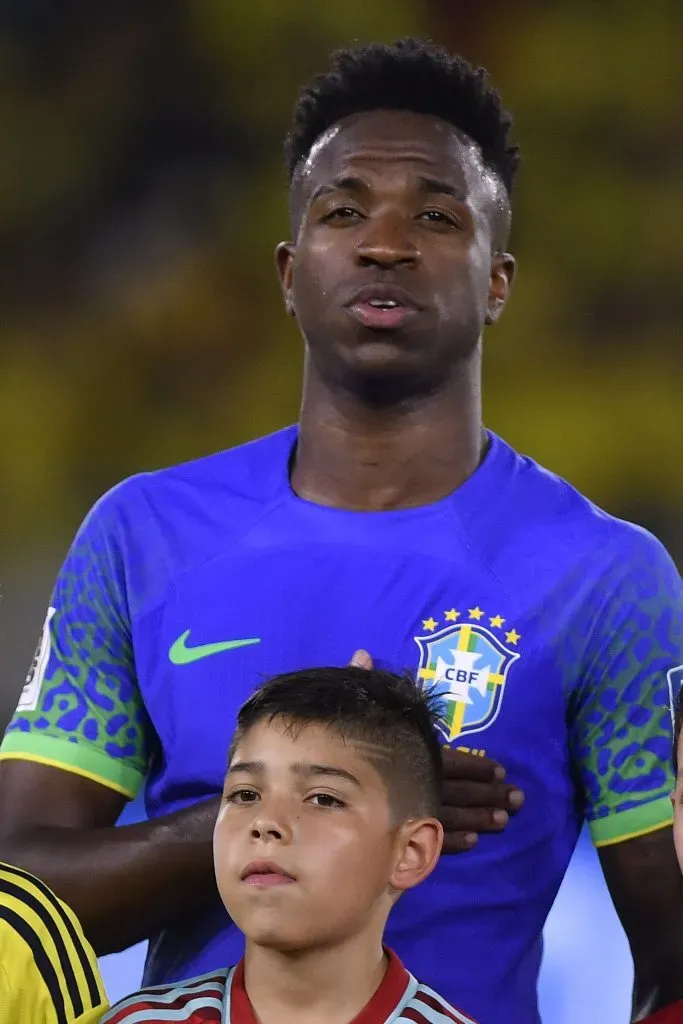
(180, 654)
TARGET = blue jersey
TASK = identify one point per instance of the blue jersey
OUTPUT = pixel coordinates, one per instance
(554, 632)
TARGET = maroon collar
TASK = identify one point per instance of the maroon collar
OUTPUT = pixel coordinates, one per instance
(377, 1011)
(672, 1014)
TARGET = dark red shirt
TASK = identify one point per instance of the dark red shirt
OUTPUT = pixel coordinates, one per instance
(672, 1014)
(221, 998)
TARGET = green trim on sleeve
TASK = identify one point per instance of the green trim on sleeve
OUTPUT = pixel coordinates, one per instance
(638, 821)
(74, 757)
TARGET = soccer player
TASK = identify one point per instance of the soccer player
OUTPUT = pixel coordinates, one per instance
(390, 520)
(329, 815)
(48, 970)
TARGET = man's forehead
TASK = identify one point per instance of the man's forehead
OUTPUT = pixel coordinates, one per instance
(383, 140)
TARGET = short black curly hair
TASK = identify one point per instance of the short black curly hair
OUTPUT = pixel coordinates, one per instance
(408, 75)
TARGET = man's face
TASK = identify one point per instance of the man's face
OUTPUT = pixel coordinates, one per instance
(395, 270)
(305, 850)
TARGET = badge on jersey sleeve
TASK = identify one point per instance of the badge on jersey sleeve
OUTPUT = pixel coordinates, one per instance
(28, 701)
(674, 678)
(467, 663)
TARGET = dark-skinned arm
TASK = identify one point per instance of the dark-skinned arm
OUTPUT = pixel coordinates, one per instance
(81, 743)
(646, 887)
(620, 731)
(124, 883)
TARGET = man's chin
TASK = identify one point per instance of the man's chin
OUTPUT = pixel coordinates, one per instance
(380, 380)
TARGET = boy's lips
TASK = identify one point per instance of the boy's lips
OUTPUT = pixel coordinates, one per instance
(266, 873)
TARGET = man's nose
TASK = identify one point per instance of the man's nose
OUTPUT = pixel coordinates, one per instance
(387, 241)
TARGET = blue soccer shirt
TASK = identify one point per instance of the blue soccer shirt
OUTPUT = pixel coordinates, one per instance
(554, 631)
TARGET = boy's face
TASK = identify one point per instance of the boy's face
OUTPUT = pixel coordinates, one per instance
(677, 798)
(305, 849)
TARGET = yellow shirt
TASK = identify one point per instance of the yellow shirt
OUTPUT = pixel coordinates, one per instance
(48, 970)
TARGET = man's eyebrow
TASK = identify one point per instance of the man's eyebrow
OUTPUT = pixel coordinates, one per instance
(351, 183)
(435, 186)
(345, 183)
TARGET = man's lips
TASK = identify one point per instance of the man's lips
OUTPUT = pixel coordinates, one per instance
(379, 318)
(382, 306)
(266, 873)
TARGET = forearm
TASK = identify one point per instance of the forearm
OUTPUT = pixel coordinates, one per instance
(658, 978)
(124, 883)
(645, 884)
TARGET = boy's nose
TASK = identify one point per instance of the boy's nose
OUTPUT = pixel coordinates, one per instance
(271, 827)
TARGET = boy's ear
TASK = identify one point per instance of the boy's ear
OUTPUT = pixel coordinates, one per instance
(417, 851)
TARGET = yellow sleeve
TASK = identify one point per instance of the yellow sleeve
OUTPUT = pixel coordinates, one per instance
(48, 970)
(92, 1016)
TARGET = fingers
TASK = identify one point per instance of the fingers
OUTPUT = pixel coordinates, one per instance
(474, 820)
(459, 764)
(463, 826)
(459, 842)
(361, 659)
(463, 794)
(515, 799)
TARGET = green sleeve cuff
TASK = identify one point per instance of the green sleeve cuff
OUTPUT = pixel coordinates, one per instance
(638, 821)
(83, 760)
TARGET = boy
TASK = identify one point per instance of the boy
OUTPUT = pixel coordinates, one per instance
(328, 815)
(48, 970)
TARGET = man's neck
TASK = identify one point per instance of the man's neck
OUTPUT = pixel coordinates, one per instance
(331, 985)
(358, 457)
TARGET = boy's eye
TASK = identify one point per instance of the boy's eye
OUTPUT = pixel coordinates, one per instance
(242, 796)
(325, 800)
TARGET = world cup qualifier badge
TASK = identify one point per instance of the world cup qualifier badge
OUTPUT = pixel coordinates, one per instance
(30, 694)
(466, 657)
(674, 678)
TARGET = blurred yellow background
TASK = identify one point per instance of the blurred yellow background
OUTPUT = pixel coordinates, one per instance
(142, 193)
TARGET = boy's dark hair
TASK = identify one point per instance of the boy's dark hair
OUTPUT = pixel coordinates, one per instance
(388, 711)
(408, 75)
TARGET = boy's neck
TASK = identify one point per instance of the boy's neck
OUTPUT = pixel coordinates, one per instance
(331, 984)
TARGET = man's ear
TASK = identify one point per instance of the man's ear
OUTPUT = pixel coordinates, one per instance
(502, 274)
(417, 852)
(284, 260)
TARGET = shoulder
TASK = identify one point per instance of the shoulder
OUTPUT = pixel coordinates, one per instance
(154, 526)
(253, 471)
(178, 1003)
(561, 529)
(46, 958)
(428, 1007)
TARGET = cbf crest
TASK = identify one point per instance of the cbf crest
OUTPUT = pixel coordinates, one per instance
(467, 663)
